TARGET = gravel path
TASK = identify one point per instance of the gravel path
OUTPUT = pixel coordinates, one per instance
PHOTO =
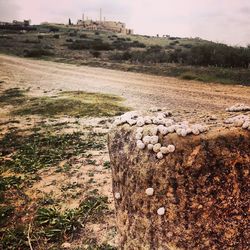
(140, 91)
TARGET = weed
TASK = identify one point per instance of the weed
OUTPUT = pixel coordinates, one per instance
(58, 225)
(106, 165)
(5, 212)
(14, 239)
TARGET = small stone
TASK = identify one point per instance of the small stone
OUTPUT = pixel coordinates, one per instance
(161, 211)
(150, 146)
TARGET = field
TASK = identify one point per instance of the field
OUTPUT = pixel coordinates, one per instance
(151, 55)
(55, 176)
(55, 184)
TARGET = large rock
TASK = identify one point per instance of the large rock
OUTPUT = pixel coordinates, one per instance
(203, 187)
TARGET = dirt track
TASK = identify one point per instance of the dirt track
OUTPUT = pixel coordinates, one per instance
(141, 91)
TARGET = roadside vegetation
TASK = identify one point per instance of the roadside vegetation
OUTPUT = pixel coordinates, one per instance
(49, 195)
(186, 58)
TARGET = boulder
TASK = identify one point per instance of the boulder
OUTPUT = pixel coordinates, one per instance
(200, 194)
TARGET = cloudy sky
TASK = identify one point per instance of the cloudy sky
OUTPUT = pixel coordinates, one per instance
(218, 20)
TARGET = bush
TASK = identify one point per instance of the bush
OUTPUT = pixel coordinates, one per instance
(72, 34)
(40, 37)
(95, 53)
(90, 45)
(69, 40)
(57, 36)
(53, 29)
(83, 36)
(31, 41)
(37, 53)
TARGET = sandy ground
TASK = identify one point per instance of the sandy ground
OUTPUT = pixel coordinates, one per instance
(140, 91)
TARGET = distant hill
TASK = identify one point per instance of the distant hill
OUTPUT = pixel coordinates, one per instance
(188, 58)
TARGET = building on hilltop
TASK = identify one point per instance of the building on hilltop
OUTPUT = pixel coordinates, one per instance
(102, 24)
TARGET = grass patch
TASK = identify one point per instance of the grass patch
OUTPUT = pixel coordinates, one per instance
(23, 155)
(13, 96)
(76, 104)
(57, 225)
(39, 150)
(14, 238)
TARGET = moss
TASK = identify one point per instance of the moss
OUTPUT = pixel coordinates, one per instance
(76, 104)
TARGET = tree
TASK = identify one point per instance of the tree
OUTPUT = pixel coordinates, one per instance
(70, 22)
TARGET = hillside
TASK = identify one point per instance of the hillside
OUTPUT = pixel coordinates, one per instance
(187, 58)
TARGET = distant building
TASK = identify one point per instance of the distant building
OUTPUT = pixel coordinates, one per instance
(24, 23)
(112, 26)
(17, 25)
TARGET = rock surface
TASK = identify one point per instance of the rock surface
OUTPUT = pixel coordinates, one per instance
(203, 187)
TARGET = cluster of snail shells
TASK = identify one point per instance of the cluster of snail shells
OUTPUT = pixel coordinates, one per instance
(152, 143)
(132, 118)
(238, 107)
(184, 129)
(239, 121)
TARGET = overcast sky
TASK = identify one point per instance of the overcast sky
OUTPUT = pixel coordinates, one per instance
(218, 20)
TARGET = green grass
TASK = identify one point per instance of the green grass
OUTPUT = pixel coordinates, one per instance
(56, 225)
(21, 157)
(76, 104)
(14, 238)
(13, 96)
(39, 150)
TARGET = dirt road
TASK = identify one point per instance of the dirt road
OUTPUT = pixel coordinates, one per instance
(140, 91)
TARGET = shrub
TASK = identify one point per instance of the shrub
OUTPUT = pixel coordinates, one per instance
(92, 45)
(53, 29)
(95, 53)
(37, 53)
(40, 36)
(57, 36)
(31, 41)
(69, 40)
(83, 36)
(72, 34)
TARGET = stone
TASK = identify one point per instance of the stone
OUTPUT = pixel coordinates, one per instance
(202, 186)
